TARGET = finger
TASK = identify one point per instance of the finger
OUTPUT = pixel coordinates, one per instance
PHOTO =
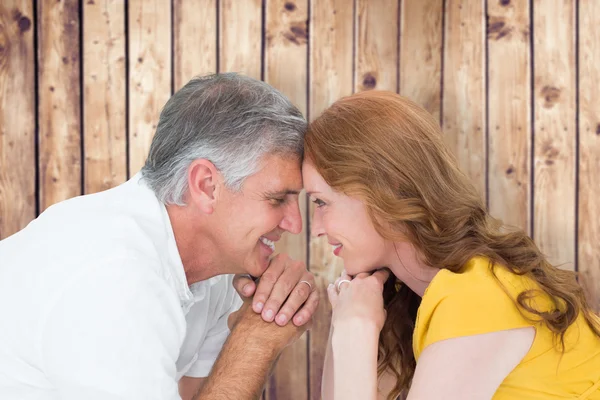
(362, 275)
(282, 289)
(332, 294)
(341, 283)
(244, 285)
(308, 309)
(381, 276)
(267, 282)
(296, 299)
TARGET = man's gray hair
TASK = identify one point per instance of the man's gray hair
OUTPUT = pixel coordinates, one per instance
(229, 119)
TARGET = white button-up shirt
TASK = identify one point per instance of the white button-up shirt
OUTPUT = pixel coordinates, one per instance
(94, 303)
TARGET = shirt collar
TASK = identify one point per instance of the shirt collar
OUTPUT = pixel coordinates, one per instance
(188, 294)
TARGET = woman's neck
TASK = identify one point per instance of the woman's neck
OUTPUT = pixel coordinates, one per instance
(407, 266)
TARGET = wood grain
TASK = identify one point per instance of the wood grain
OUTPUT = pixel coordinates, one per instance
(421, 53)
(464, 100)
(589, 150)
(286, 44)
(510, 137)
(376, 45)
(331, 47)
(17, 116)
(59, 101)
(149, 73)
(195, 43)
(554, 105)
(240, 37)
(104, 85)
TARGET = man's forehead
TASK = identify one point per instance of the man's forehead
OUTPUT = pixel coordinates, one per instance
(281, 175)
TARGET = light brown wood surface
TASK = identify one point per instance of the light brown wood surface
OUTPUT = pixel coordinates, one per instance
(464, 99)
(421, 53)
(17, 116)
(104, 106)
(149, 73)
(286, 68)
(331, 77)
(240, 37)
(376, 53)
(554, 124)
(509, 126)
(589, 150)
(59, 108)
(194, 39)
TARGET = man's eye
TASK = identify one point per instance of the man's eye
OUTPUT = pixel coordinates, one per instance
(277, 201)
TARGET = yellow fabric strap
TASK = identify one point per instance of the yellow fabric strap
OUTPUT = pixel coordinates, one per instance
(591, 390)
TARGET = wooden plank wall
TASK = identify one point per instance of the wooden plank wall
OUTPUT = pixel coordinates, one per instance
(512, 82)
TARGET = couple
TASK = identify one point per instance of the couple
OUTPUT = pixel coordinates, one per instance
(130, 293)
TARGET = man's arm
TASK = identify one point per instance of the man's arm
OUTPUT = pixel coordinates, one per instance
(189, 387)
(247, 358)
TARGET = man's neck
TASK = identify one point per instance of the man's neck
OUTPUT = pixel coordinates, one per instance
(193, 241)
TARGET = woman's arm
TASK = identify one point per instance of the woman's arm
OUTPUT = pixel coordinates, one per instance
(470, 367)
(354, 345)
(358, 316)
(327, 381)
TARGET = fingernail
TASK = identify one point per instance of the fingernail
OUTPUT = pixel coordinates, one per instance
(282, 319)
(269, 315)
(258, 307)
(247, 289)
(299, 320)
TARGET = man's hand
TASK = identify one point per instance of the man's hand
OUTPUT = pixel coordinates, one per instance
(248, 355)
(285, 290)
(267, 335)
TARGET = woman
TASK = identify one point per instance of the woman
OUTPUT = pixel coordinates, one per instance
(471, 310)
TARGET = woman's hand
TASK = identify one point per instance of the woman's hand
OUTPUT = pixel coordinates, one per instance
(359, 300)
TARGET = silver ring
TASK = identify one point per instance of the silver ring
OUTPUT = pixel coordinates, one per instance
(308, 283)
(340, 283)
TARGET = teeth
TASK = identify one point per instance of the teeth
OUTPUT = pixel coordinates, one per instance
(337, 246)
(268, 242)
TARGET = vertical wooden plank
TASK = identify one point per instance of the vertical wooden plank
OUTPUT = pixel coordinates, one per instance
(421, 53)
(240, 37)
(195, 43)
(509, 112)
(376, 45)
(589, 150)
(17, 116)
(59, 101)
(554, 105)
(464, 87)
(104, 123)
(286, 55)
(149, 73)
(331, 43)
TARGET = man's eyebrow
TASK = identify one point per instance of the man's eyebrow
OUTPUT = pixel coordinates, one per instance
(284, 192)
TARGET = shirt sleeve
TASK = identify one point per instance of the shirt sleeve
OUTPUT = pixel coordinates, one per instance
(217, 335)
(468, 304)
(114, 333)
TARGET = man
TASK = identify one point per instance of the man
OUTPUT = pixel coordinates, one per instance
(127, 294)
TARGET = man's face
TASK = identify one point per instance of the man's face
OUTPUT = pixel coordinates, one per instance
(251, 220)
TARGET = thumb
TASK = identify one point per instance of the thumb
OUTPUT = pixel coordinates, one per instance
(244, 285)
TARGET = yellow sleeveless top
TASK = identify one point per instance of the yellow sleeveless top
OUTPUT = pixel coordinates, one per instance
(472, 302)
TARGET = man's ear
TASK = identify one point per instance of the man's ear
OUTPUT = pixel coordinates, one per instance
(203, 183)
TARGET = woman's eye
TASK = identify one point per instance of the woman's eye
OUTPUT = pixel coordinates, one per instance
(319, 202)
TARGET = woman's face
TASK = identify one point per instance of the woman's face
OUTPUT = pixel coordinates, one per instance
(345, 222)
